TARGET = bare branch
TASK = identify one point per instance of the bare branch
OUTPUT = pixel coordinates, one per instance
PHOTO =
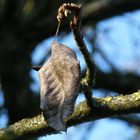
(118, 82)
(87, 81)
(132, 120)
(102, 9)
(92, 12)
(102, 108)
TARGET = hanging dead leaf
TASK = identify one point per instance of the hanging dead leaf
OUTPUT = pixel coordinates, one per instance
(60, 78)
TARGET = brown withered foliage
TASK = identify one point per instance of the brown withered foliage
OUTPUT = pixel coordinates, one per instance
(60, 79)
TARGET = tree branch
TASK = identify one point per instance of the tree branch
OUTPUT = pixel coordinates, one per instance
(102, 9)
(132, 120)
(118, 82)
(87, 81)
(93, 12)
(102, 108)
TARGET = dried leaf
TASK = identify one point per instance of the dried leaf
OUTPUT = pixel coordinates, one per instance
(59, 78)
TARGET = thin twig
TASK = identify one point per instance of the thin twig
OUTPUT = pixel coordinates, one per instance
(87, 81)
(80, 42)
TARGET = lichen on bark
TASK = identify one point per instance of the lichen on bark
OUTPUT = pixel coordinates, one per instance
(102, 108)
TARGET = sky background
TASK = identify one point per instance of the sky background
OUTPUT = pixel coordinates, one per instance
(119, 38)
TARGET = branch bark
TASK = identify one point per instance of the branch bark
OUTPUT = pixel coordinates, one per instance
(102, 108)
(87, 81)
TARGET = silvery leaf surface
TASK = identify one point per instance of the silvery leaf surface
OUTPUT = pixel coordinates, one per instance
(60, 79)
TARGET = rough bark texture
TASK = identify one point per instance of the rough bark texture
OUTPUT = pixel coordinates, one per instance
(102, 108)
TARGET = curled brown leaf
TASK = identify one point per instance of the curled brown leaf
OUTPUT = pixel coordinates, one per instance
(60, 79)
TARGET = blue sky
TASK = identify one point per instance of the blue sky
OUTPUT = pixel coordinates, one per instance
(119, 38)
(116, 37)
(105, 129)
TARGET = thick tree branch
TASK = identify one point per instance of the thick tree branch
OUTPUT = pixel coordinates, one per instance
(102, 9)
(132, 120)
(117, 82)
(102, 108)
(93, 12)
